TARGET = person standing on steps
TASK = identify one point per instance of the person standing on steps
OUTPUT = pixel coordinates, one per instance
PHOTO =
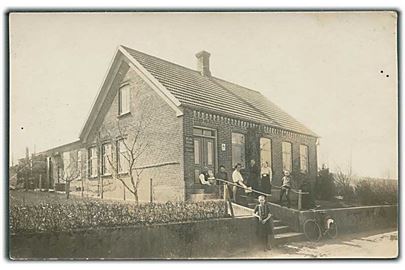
(237, 179)
(264, 223)
(266, 178)
(285, 188)
(254, 174)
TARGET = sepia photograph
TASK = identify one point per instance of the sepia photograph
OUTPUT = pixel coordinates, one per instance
(203, 135)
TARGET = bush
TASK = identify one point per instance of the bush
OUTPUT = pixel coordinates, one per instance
(376, 192)
(50, 217)
(325, 188)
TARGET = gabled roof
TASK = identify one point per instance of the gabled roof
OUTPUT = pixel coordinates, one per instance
(192, 89)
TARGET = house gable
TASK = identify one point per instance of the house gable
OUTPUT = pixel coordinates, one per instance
(119, 67)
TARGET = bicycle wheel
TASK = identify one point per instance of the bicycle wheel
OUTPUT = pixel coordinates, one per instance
(312, 230)
(332, 231)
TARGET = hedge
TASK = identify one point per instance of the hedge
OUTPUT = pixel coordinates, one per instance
(52, 217)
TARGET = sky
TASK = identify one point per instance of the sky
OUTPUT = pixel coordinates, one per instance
(328, 70)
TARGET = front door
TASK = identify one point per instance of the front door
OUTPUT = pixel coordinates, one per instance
(204, 154)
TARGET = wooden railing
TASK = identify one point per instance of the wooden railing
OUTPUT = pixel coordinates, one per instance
(299, 192)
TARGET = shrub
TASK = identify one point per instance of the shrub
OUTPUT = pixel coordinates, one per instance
(373, 192)
(344, 186)
(51, 217)
(325, 188)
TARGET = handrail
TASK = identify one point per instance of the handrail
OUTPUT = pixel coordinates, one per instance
(242, 187)
(256, 191)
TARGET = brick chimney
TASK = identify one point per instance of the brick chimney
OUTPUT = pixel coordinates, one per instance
(203, 63)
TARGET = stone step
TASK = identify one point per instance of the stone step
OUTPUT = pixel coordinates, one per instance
(281, 229)
(288, 237)
(202, 197)
(277, 222)
(197, 191)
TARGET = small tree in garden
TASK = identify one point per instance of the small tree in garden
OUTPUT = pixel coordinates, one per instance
(123, 145)
(344, 185)
(71, 170)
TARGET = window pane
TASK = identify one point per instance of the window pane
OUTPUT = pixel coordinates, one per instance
(197, 131)
(210, 152)
(238, 149)
(124, 101)
(207, 132)
(287, 157)
(304, 158)
(196, 152)
(123, 161)
(265, 151)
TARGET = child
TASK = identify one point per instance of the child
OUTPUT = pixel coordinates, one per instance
(265, 222)
(285, 188)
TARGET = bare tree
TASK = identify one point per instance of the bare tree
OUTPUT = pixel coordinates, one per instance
(71, 171)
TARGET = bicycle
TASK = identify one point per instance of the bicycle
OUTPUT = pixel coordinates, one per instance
(319, 226)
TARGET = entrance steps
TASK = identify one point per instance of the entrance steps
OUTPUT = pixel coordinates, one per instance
(282, 233)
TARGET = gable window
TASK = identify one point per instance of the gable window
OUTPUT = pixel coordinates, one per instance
(238, 149)
(106, 159)
(287, 156)
(265, 151)
(124, 100)
(122, 157)
(93, 162)
(304, 158)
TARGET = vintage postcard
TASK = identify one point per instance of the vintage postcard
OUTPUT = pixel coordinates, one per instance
(203, 135)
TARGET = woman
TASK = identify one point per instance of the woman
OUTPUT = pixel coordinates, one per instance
(266, 178)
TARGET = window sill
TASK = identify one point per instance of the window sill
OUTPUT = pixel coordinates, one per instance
(122, 173)
(92, 177)
(122, 115)
(106, 175)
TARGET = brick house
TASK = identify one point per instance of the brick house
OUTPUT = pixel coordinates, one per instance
(194, 120)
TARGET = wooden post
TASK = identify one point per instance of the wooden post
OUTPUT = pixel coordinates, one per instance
(151, 190)
(299, 199)
(40, 182)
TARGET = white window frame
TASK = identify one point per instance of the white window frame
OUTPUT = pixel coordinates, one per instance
(106, 153)
(287, 156)
(242, 158)
(267, 159)
(93, 158)
(122, 151)
(304, 159)
(124, 99)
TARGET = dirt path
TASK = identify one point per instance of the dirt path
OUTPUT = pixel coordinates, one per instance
(377, 244)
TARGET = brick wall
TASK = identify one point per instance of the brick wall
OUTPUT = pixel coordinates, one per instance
(224, 136)
(161, 130)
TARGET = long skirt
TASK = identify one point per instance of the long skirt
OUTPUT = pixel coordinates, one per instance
(265, 184)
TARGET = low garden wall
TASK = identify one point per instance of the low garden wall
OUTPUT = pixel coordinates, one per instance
(349, 219)
(200, 239)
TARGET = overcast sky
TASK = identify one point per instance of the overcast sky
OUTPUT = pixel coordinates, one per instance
(322, 68)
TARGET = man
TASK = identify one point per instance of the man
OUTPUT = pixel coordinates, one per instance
(237, 179)
(254, 174)
(265, 222)
(285, 188)
(207, 179)
(223, 175)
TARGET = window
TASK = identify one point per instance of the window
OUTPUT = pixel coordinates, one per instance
(210, 153)
(304, 158)
(67, 167)
(287, 157)
(265, 151)
(123, 158)
(79, 164)
(238, 149)
(106, 159)
(93, 162)
(124, 100)
(196, 151)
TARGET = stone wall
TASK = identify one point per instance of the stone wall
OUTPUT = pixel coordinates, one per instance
(350, 219)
